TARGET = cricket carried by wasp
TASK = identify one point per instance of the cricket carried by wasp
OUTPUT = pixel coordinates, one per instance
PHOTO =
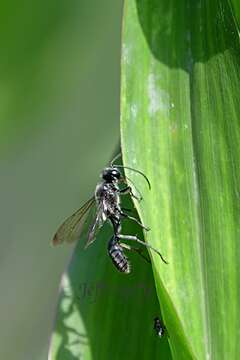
(106, 205)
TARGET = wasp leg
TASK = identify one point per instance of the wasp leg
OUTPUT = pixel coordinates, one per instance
(126, 209)
(135, 238)
(116, 223)
(137, 250)
(128, 190)
(134, 219)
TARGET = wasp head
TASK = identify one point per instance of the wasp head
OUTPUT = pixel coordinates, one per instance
(111, 174)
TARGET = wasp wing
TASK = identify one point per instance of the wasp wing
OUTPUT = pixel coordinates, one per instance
(96, 225)
(71, 228)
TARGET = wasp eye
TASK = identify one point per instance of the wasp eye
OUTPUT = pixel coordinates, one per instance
(116, 173)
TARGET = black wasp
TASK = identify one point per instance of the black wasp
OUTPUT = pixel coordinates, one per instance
(159, 327)
(105, 204)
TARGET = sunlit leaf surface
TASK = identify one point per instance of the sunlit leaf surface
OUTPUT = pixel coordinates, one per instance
(180, 125)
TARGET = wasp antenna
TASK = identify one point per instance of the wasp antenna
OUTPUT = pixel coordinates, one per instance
(137, 171)
(115, 158)
(129, 168)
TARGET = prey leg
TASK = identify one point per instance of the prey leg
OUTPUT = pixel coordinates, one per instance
(137, 250)
(134, 219)
(135, 238)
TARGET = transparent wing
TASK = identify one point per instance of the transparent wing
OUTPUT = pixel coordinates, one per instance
(96, 225)
(71, 228)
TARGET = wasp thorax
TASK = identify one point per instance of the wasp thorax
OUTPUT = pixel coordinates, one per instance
(111, 174)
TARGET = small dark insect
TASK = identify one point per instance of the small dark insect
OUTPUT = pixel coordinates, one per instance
(159, 327)
(105, 205)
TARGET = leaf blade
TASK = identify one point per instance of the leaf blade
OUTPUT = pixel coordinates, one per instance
(179, 121)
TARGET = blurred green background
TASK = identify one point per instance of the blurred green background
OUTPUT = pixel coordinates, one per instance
(59, 125)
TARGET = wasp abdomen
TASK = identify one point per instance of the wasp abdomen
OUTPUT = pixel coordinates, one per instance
(118, 257)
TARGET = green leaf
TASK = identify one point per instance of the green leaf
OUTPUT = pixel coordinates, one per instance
(104, 314)
(235, 10)
(180, 126)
